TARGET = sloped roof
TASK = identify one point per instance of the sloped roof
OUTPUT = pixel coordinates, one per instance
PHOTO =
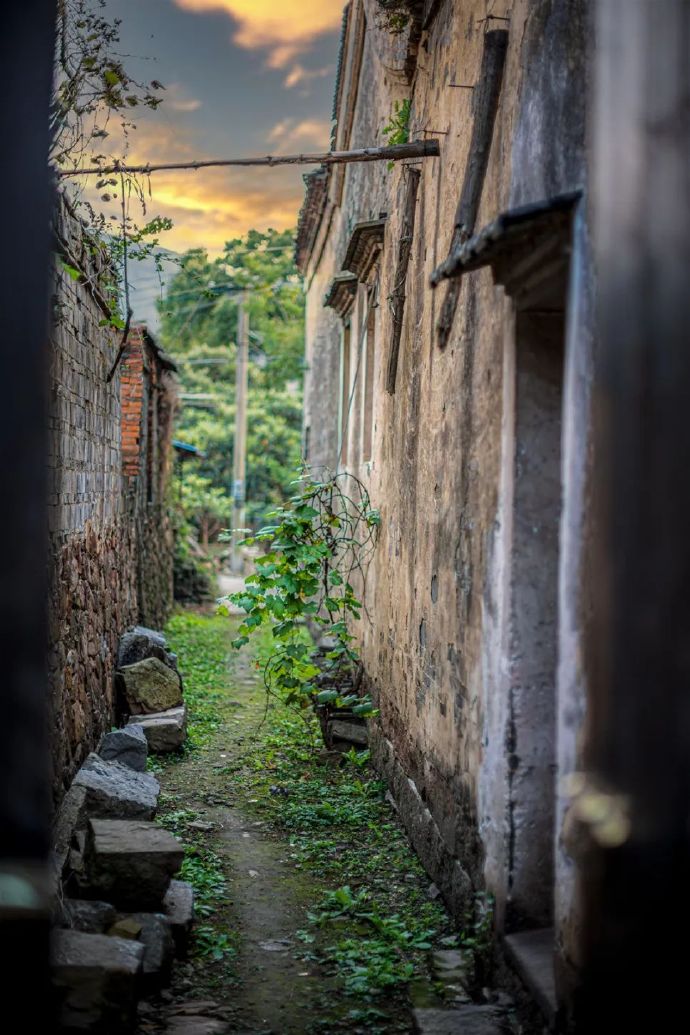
(310, 215)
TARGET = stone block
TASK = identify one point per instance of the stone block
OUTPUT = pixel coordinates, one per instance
(71, 816)
(140, 643)
(350, 732)
(131, 863)
(96, 981)
(88, 917)
(149, 686)
(125, 927)
(116, 791)
(127, 746)
(178, 906)
(159, 948)
(164, 731)
(467, 1020)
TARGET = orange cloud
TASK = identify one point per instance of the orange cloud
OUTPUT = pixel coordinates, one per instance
(285, 30)
(209, 207)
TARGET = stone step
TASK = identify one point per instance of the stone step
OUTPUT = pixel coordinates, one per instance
(130, 863)
(96, 981)
(178, 906)
(149, 686)
(128, 747)
(116, 791)
(164, 731)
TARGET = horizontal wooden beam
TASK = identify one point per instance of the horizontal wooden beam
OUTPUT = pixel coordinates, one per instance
(415, 149)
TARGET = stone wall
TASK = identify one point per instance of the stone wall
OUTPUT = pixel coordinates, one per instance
(462, 738)
(110, 556)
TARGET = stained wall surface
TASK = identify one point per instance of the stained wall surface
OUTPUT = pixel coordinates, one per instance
(462, 732)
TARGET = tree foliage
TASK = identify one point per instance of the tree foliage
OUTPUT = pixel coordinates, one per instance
(94, 96)
(94, 102)
(199, 326)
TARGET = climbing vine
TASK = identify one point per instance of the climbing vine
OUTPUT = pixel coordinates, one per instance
(318, 545)
(397, 129)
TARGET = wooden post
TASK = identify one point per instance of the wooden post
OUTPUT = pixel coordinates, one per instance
(26, 52)
(397, 299)
(485, 105)
(240, 446)
(637, 885)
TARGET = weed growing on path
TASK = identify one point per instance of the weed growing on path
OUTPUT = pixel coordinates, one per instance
(376, 926)
(370, 924)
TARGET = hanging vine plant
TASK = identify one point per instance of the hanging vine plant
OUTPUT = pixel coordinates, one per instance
(319, 544)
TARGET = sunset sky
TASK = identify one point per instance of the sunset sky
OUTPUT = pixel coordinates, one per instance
(242, 77)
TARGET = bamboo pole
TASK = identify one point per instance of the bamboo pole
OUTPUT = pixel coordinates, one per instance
(415, 149)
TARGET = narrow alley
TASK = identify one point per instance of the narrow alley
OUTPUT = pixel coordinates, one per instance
(314, 915)
(345, 590)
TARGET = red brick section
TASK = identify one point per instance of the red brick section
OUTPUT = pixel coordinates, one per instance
(131, 401)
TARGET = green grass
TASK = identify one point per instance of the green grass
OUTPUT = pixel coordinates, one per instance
(371, 925)
(377, 924)
(202, 643)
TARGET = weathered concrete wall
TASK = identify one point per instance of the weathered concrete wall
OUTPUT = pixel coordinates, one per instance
(442, 589)
(110, 559)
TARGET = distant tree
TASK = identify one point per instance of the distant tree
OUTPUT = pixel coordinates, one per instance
(199, 327)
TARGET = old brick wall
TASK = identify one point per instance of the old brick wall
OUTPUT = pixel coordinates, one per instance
(437, 651)
(148, 399)
(110, 559)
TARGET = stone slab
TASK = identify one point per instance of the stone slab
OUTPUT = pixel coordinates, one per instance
(71, 816)
(140, 643)
(165, 731)
(149, 686)
(130, 863)
(468, 1020)
(159, 948)
(350, 732)
(178, 906)
(88, 917)
(116, 791)
(128, 747)
(96, 981)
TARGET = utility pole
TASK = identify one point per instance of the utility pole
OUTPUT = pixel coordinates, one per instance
(240, 449)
